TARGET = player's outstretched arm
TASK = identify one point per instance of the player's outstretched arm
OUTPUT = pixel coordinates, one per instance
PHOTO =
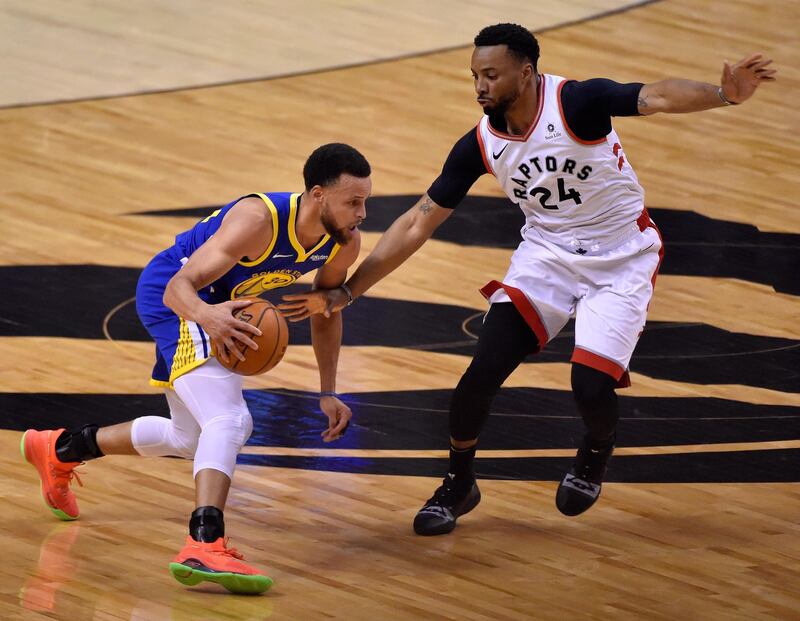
(400, 241)
(738, 83)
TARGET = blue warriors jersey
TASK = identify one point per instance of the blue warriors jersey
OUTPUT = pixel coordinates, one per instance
(182, 345)
(281, 264)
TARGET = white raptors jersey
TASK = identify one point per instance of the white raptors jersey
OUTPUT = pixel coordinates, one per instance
(576, 193)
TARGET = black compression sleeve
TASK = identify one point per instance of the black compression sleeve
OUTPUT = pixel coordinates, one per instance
(504, 342)
(589, 105)
(461, 170)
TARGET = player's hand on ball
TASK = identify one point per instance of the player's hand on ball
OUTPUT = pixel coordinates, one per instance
(299, 306)
(223, 328)
(339, 416)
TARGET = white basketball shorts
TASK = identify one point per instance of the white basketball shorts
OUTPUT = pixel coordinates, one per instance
(608, 292)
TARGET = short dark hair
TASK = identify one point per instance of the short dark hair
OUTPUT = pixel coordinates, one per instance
(520, 41)
(330, 161)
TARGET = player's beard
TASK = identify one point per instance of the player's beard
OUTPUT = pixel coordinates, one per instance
(340, 235)
(499, 109)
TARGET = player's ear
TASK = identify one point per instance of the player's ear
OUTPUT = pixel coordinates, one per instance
(317, 192)
(527, 71)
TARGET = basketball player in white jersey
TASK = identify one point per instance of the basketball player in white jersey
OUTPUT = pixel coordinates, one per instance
(589, 249)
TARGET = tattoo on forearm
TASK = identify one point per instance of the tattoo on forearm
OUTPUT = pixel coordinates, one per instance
(427, 206)
(642, 102)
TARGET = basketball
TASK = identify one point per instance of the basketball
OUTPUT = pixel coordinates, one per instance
(271, 344)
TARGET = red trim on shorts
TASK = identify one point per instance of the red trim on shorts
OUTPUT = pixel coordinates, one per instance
(645, 222)
(566, 126)
(523, 305)
(609, 367)
(590, 359)
(483, 150)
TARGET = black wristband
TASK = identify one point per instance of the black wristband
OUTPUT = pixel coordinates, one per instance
(348, 292)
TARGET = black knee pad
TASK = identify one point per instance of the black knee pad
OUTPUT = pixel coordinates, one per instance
(592, 388)
(594, 395)
(504, 342)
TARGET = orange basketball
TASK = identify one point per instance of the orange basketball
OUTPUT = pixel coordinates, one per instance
(271, 344)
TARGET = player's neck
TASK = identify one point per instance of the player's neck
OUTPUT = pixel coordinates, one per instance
(308, 225)
(521, 114)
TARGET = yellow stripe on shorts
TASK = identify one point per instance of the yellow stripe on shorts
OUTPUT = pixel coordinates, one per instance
(188, 353)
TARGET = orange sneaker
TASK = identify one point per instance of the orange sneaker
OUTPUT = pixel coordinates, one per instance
(215, 562)
(39, 449)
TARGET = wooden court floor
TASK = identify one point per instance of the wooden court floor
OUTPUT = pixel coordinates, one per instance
(700, 518)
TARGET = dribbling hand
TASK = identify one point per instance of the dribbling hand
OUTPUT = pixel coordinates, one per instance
(224, 329)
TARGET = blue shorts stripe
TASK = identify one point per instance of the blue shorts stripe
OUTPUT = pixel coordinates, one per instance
(203, 339)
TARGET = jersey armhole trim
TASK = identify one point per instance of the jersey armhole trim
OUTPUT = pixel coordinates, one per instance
(482, 148)
(274, 213)
(302, 253)
(566, 125)
(334, 252)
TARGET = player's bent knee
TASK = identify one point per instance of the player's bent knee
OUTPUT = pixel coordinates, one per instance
(232, 429)
(155, 436)
(481, 377)
(184, 444)
(247, 426)
(591, 387)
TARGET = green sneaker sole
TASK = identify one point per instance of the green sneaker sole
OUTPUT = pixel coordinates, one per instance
(61, 515)
(235, 583)
(57, 512)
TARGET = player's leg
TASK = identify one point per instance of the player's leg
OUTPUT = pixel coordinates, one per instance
(529, 307)
(609, 320)
(56, 452)
(56, 471)
(504, 342)
(214, 397)
(596, 401)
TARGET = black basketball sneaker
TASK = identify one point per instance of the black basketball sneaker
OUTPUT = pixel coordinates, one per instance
(580, 487)
(452, 499)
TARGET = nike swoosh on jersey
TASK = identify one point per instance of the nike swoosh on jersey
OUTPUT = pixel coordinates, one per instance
(497, 155)
(282, 256)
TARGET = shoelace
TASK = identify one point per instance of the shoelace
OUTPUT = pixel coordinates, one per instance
(231, 551)
(63, 479)
(223, 551)
(443, 495)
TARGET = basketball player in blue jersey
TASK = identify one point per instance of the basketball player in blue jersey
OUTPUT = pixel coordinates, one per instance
(589, 249)
(185, 298)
